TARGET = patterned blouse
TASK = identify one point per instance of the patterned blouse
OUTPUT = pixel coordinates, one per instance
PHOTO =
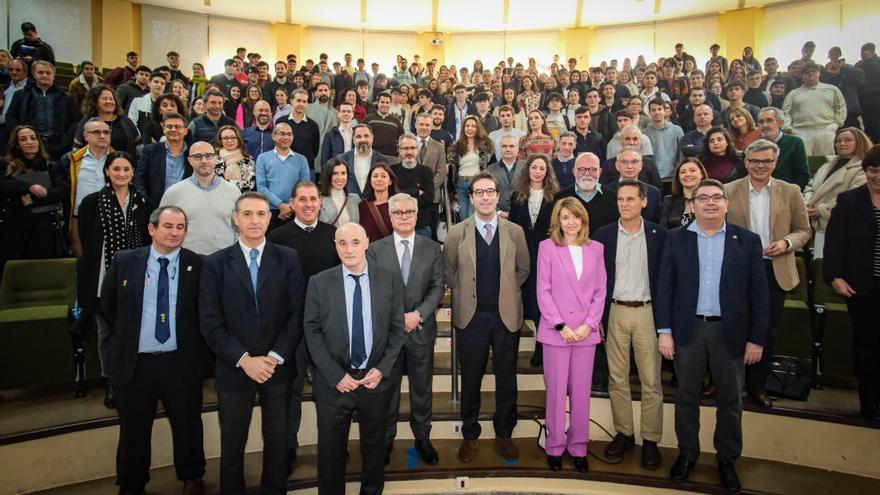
(529, 101)
(242, 174)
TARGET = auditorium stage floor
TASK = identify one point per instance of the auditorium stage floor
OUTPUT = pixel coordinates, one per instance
(757, 476)
(33, 411)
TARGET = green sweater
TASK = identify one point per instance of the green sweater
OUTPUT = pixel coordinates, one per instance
(792, 163)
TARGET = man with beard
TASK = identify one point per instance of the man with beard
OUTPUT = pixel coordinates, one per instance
(321, 111)
(361, 159)
(601, 203)
(258, 137)
(281, 81)
(438, 133)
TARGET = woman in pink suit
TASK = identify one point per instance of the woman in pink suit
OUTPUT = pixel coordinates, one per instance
(571, 296)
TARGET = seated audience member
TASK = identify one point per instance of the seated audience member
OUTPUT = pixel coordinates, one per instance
(164, 164)
(569, 327)
(840, 173)
(111, 220)
(720, 158)
(32, 198)
(531, 203)
(43, 99)
(743, 130)
(467, 157)
(693, 143)
(155, 355)
(416, 180)
(165, 104)
(373, 208)
(101, 102)
(234, 164)
(208, 199)
(852, 258)
(338, 206)
(278, 171)
(205, 126)
(791, 164)
(678, 207)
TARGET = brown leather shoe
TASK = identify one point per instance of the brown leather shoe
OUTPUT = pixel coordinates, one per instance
(507, 449)
(615, 450)
(650, 455)
(468, 450)
(759, 397)
(194, 487)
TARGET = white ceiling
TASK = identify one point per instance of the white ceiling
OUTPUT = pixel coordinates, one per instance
(457, 15)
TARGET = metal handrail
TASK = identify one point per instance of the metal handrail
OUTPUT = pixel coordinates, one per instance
(454, 333)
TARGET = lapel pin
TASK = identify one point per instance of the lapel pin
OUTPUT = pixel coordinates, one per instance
(124, 283)
(735, 237)
(189, 268)
(653, 231)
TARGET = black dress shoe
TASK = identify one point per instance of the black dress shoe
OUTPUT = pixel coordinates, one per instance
(388, 450)
(617, 448)
(125, 490)
(759, 397)
(109, 397)
(681, 470)
(289, 459)
(729, 479)
(427, 452)
(554, 462)
(581, 464)
(650, 455)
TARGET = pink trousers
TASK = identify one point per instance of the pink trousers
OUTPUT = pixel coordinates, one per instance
(568, 373)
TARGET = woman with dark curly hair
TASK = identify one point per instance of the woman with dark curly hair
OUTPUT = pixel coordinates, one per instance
(101, 102)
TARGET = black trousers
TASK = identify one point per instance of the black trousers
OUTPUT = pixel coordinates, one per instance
(157, 377)
(234, 411)
(417, 360)
(334, 423)
(756, 374)
(706, 345)
(484, 330)
(296, 396)
(864, 312)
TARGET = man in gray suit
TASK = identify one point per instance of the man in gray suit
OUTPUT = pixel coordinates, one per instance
(353, 352)
(432, 154)
(506, 171)
(419, 263)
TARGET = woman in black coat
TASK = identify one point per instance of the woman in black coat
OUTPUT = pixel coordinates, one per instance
(677, 209)
(110, 220)
(530, 207)
(32, 222)
(852, 266)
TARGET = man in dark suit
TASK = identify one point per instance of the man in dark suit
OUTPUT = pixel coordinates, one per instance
(353, 350)
(633, 248)
(251, 315)
(157, 159)
(149, 301)
(313, 241)
(361, 158)
(418, 262)
(456, 111)
(712, 309)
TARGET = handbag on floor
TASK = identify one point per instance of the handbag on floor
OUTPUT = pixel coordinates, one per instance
(789, 378)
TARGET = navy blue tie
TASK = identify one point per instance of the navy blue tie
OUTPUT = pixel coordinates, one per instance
(358, 346)
(163, 319)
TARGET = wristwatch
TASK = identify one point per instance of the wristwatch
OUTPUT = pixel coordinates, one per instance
(559, 327)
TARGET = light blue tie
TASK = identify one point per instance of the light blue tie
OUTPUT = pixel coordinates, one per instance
(405, 261)
(255, 269)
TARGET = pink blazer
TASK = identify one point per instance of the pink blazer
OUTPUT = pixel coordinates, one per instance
(563, 298)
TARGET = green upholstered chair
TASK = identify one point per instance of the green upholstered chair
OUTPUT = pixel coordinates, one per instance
(824, 300)
(36, 297)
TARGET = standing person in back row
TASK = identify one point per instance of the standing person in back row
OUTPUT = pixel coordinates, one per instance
(486, 262)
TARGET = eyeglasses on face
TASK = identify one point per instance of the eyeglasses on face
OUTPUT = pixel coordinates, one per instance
(403, 213)
(709, 198)
(484, 192)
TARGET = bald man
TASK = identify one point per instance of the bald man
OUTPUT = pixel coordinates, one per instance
(353, 352)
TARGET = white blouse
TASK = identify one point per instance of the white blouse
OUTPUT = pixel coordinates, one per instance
(536, 198)
(577, 257)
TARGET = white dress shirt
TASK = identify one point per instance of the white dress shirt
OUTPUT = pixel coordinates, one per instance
(759, 212)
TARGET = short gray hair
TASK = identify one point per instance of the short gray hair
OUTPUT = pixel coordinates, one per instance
(777, 113)
(250, 195)
(94, 120)
(406, 136)
(629, 128)
(629, 149)
(154, 217)
(761, 145)
(299, 91)
(397, 198)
